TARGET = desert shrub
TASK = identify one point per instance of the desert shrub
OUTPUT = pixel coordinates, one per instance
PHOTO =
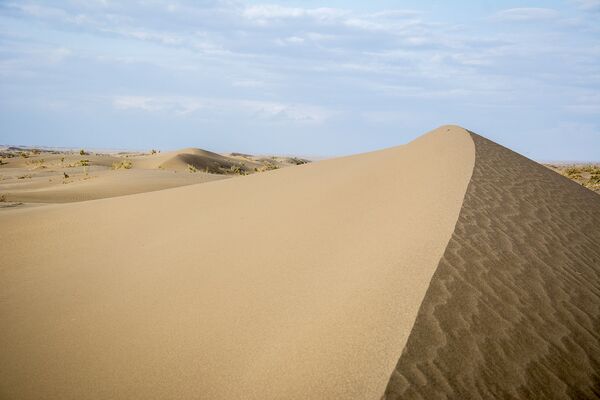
(269, 166)
(2, 162)
(84, 163)
(2, 198)
(26, 176)
(573, 172)
(82, 152)
(297, 161)
(23, 154)
(37, 163)
(235, 169)
(192, 169)
(66, 176)
(241, 155)
(153, 151)
(125, 164)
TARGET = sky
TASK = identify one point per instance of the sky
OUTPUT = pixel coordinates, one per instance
(320, 78)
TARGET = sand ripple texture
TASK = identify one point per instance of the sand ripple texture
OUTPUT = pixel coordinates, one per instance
(513, 309)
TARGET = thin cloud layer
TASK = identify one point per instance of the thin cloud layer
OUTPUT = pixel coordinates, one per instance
(527, 14)
(319, 79)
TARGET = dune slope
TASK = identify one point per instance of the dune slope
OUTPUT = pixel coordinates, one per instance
(513, 309)
(296, 283)
(182, 160)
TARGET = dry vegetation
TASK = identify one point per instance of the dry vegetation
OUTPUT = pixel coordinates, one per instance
(33, 175)
(587, 175)
(124, 164)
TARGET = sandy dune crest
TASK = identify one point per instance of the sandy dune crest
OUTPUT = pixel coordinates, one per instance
(513, 310)
(297, 283)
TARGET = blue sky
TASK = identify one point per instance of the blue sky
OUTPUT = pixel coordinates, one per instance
(300, 77)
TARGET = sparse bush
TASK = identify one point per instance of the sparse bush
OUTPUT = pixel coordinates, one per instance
(237, 169)
(84, 163)
(297, 161)
(573, 172)
(153, 151)
(23, 154)
(192, 169)
(66, 175)
(83, 153)
(26, 176)
(125, 164)
(37, 163)
(269, 166)
(2, 162)
(2, 198)
(241, 155)
(587, 175)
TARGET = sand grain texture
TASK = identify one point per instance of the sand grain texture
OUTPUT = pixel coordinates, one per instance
(299, 283)
(513, 309)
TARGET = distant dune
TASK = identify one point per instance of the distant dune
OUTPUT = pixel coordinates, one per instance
(449, 267)
(51, 176)
(203, 160)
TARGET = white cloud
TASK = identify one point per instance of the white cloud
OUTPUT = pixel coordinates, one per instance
(423, 92)
(589, 5)
(164, 38)
(587, 104)
(56, 56)
(271, 11)
(184, 105)
(526, 14)
(386, 20)
(292, 40)
(248, 83)
(178, 105)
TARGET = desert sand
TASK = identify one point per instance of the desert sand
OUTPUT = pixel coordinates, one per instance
(513, 309)
(295, 283)
(30, 176)
(449, 267)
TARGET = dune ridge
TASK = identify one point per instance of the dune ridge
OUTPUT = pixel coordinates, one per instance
(513, 308)
(298, 283)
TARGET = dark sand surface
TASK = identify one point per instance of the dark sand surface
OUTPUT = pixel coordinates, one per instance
(513, 309)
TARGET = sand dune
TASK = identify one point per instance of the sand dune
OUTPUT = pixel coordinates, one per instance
(181, 160)
(60, 176)
(513, 310)
(290, 284)
(104, 184)
(455, 266)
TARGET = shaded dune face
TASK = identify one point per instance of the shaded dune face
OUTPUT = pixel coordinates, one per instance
(204, 160)
(513, 309)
